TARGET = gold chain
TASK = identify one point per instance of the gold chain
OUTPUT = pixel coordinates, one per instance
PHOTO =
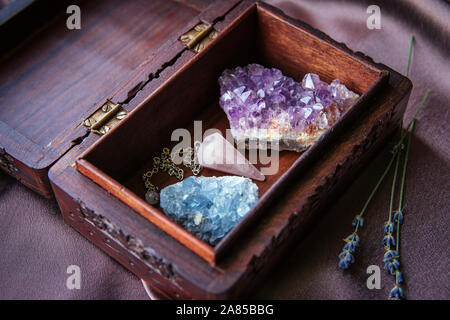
(190, 159)
(164, 163)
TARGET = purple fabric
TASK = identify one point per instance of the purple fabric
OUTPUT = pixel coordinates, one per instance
(37, 247)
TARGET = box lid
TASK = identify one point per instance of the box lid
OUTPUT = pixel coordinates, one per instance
(54, 79)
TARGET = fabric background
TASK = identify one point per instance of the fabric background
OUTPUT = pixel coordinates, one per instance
(36, 247)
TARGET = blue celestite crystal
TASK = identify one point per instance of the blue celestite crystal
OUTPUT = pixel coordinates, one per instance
(209, 207)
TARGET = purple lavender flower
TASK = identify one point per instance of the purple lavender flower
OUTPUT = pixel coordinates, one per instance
(396, 293)
(346, 257)
(388, 241)
(398, 217)
(358, 221)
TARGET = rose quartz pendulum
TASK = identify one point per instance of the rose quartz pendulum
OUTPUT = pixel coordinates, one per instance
(218, 154)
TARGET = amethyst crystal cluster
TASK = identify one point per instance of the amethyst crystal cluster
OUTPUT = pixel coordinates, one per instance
(264, 105)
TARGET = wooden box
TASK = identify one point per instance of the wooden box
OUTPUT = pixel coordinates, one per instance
(94, 108)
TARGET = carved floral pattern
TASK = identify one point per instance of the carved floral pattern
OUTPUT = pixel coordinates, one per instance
(132, 244)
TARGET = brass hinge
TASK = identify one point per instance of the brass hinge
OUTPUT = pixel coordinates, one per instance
(105, 118)
(198, 37)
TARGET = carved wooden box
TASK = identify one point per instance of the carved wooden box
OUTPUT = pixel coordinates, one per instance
(100, 107)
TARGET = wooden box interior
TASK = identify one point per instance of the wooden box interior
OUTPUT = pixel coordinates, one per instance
(118, 160)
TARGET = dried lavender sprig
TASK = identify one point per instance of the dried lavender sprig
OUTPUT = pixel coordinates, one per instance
(411, 42)
(391, 262)
(388, 239)
(412, 121)
(392, 258)
(352, 241)
(399, 217)
(422, 103)
(409, 129)
(374, 191)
